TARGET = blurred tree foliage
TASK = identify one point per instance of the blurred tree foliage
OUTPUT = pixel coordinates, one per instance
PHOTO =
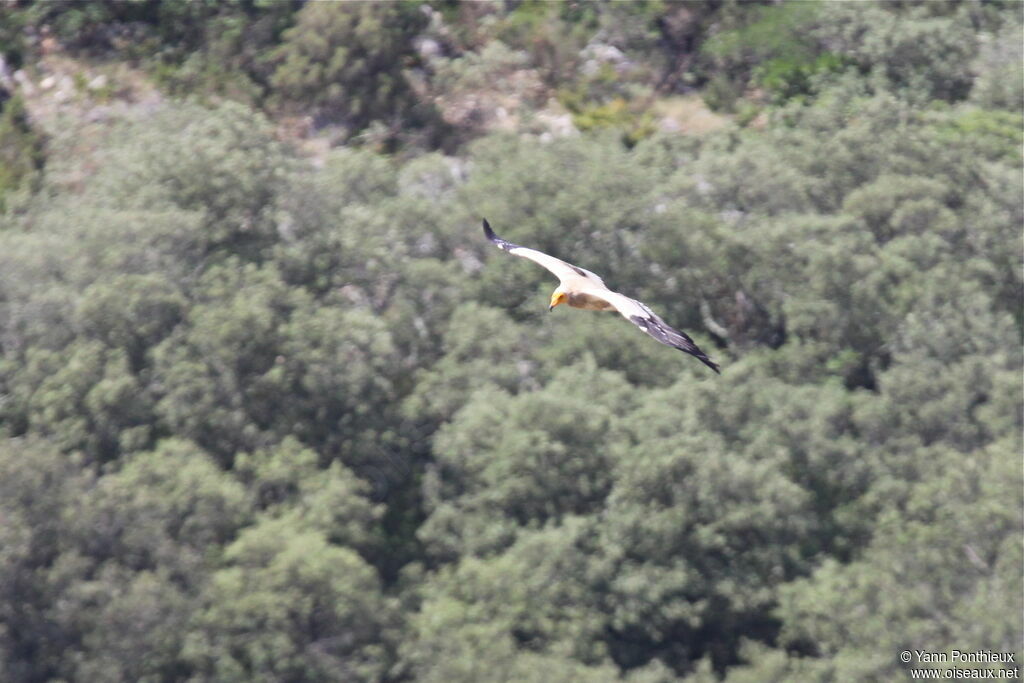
(347, 62)
(190, 47)
(267, 419)
(21, 150)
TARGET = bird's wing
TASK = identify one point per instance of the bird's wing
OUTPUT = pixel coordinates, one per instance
(649, 321)
(566, 272)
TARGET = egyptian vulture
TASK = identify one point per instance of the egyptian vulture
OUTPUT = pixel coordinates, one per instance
(582, 289)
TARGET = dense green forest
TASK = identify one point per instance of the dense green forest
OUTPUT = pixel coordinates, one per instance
(273, 409)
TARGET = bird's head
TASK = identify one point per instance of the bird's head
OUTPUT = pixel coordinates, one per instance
(558, 297)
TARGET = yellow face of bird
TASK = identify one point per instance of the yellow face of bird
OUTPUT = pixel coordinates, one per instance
(558, 297)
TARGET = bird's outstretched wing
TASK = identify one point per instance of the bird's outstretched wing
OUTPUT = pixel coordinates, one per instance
(649, 321)
(580, 281)
(566, 272)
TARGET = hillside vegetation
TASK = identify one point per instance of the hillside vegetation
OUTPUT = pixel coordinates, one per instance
(273, 409)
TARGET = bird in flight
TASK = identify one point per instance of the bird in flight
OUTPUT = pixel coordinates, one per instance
(582, 289)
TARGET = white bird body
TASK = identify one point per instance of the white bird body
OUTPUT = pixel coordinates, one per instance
(581, 288)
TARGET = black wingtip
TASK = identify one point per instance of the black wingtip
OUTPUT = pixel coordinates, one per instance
(702, 357)
(487, 231)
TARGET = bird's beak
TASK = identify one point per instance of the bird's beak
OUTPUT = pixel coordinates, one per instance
(551, 308)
